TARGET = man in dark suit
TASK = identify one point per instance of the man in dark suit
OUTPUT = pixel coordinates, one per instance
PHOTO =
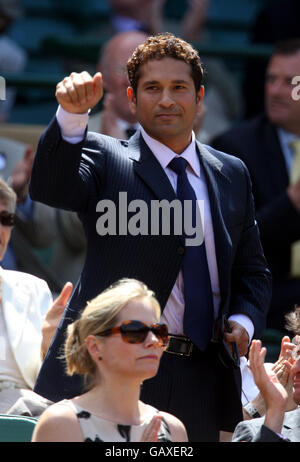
(106, 180)
(265, 144)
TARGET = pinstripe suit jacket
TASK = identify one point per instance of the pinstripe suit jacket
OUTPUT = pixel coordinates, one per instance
(76, 177)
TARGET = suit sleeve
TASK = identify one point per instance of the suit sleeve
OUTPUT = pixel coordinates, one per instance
(250, 432)
(64, 175)
(251, 283)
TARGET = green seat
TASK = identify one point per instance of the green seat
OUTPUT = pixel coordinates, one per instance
(16, 428)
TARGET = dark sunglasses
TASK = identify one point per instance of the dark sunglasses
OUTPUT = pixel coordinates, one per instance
(7, 219)
(137, 331)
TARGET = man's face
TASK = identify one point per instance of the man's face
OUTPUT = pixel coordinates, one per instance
(5, 232)
(166, 102)
(281, 108)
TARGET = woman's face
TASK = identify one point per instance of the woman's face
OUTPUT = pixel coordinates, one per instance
(138, 361)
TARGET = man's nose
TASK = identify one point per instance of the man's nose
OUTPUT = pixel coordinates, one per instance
(166, 99)
(276, 87)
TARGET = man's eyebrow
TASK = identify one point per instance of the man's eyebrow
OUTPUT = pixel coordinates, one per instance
(153, 82)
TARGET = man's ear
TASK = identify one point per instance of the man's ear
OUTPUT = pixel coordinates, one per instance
(131, 100)
(199, 98)
(200, 94)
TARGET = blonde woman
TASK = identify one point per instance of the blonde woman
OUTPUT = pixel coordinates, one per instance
(116, 344)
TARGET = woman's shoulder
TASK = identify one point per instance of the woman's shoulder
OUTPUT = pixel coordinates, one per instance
(175, 426)
(58, 423)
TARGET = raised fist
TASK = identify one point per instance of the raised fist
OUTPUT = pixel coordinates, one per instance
(78, 93)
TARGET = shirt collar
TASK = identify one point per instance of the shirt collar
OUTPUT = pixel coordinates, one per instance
(285, 136)
(164, 155)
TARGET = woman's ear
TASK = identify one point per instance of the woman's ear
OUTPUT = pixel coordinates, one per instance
(94, 347)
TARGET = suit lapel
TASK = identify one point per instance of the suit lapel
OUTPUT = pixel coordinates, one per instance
(149, 169)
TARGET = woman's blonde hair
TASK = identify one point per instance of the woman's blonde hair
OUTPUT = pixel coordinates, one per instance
(100, 314)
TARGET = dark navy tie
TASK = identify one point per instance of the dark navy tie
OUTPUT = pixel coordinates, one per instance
(198, 311)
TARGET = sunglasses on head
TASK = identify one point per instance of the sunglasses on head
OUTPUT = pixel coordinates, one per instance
(137, 331)
(7, 219)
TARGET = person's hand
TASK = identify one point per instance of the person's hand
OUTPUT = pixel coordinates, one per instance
(109, 125)
(78, 93)
(293, 191)
(20, 176)
(239, 335)
(151, 431)
(283, 365)
(53, 316)
(273, 392)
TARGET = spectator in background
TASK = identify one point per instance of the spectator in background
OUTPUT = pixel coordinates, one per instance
(12, 57)
(277, 21)
(35, 226)
(268, 146)
(116, 119)
(143, 15)
(253, 402)
(26, 309)
(45, 241)
(278, 424)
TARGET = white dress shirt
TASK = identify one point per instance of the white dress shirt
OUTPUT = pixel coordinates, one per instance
(73, 127)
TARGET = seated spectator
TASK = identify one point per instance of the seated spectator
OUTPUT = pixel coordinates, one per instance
(144, 15)
(280, 423)
(116, 119)
(277, 21)
(268, 145)
(24, 303)
(38, 227)
(35, 224)
(116, 344)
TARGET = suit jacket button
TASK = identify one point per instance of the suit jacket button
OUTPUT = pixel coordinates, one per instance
(180, 250)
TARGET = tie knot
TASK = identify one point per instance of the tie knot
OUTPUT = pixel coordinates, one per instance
(178, 165)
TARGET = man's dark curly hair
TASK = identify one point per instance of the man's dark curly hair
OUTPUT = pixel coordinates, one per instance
(164, 45)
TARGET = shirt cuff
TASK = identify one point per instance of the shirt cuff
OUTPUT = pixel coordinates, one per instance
(244, 321)
(72, 126)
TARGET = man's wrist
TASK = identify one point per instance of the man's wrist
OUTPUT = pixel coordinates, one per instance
(72, 126)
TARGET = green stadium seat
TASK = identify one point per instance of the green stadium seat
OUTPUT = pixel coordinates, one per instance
(15, 428)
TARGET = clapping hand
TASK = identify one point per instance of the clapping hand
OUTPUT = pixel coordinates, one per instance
(151, 432)
(53, 316)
